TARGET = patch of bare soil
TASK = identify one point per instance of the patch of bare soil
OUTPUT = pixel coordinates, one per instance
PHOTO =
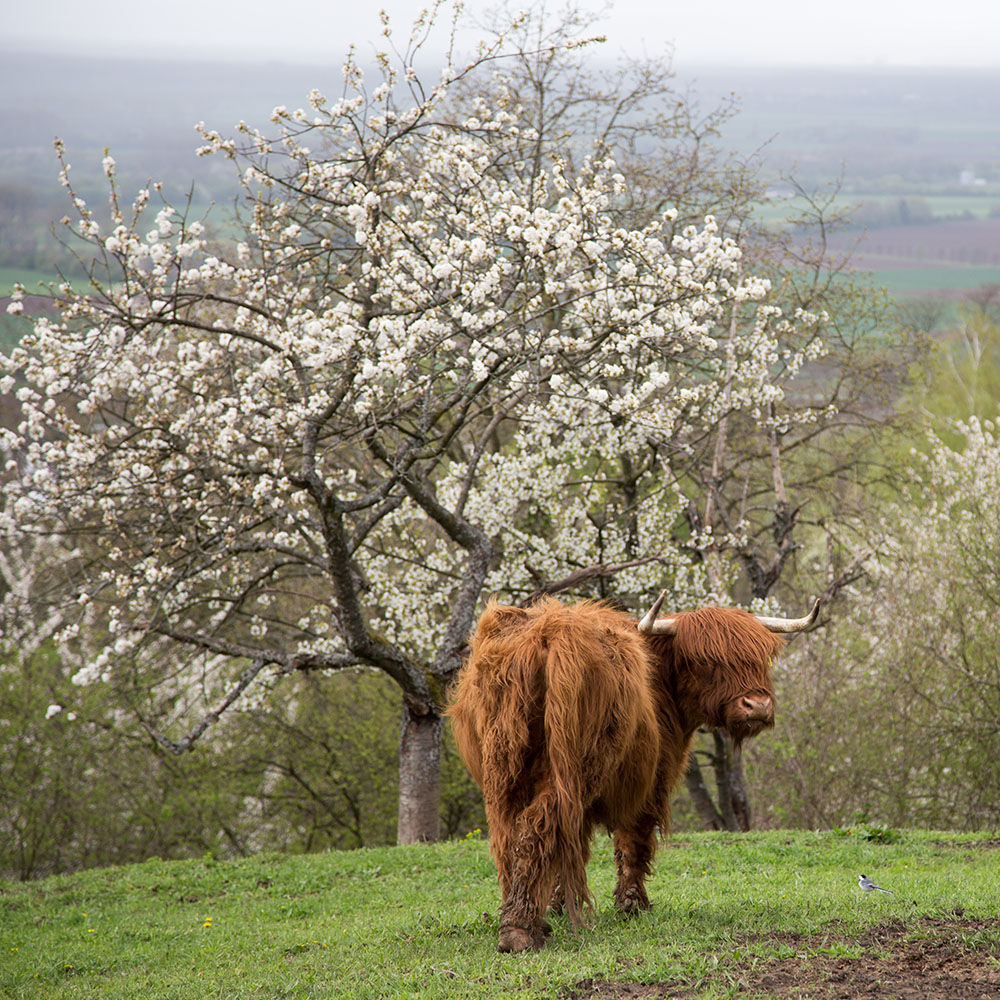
(990, 844)
(958, 242)
(936, 959)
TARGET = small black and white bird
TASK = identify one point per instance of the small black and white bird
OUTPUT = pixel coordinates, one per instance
(869, 886)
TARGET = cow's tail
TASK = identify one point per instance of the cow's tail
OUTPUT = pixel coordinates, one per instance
(575, 715)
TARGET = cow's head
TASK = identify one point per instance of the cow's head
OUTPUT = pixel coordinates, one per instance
(719, 661)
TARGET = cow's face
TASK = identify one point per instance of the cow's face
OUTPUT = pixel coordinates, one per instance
(737, 697)
(716, 662)
(720, 663)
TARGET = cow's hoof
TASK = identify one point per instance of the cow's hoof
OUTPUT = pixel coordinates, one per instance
(632, 907)
(631, 902)
(518, 939)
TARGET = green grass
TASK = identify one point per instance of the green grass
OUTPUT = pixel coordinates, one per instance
(422, 921)
(31, 279)
(919, 279)
(28, 278)
(979, 206)
(943, 206)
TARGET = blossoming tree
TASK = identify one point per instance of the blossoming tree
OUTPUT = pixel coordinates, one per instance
(933, 612)
(910, 669)
(437, 365)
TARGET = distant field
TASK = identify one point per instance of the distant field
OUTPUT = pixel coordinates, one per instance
(980, 206)
(944, 206)
(13, 328)
(930, 279)
(948, 255)
(31, 281)
(945, 256)
(965, 242)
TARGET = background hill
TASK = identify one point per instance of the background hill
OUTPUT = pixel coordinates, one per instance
(913, 152)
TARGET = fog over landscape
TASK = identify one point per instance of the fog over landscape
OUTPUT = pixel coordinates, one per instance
(883, 101)
(883, 134)
(767, 33)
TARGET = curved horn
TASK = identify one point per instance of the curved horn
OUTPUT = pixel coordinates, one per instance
(651, 625)
(789, 624)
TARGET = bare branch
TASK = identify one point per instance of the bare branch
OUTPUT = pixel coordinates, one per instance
(581, 575)
(180, 746)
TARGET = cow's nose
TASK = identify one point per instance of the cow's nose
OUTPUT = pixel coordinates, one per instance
(758, 708)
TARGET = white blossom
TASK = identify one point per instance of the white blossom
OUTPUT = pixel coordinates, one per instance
(416, 341)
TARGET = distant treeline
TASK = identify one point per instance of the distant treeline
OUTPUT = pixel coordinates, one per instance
(904, 211)
(27, 214)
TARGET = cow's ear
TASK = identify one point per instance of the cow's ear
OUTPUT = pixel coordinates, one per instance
(498, 619)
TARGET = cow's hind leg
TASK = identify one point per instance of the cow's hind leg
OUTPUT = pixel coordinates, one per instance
(530, 876)
(635, 847)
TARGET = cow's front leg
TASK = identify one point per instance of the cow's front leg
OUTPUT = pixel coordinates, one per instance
(635, 847)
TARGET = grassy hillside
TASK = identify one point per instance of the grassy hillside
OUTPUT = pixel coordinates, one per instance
(35, 282)
(758, 914)
(932, 280)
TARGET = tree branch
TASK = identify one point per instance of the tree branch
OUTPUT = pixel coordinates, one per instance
(180, 746)
(578, 576)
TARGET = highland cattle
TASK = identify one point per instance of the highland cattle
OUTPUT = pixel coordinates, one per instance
(572, 717)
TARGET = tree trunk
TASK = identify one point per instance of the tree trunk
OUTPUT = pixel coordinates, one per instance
(722, 762)
(738, 794)
(733, 810)
(700, 795)
(419, 777)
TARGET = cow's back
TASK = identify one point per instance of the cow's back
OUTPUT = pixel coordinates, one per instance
(560, 693)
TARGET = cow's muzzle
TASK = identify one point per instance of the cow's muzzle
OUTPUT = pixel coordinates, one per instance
(757, 711)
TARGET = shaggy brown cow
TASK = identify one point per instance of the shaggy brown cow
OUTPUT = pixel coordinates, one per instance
(571, 717)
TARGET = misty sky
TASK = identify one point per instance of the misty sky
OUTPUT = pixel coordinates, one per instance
(745, 32)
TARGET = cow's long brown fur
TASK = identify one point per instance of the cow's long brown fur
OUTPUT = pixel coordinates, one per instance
(568, 718)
